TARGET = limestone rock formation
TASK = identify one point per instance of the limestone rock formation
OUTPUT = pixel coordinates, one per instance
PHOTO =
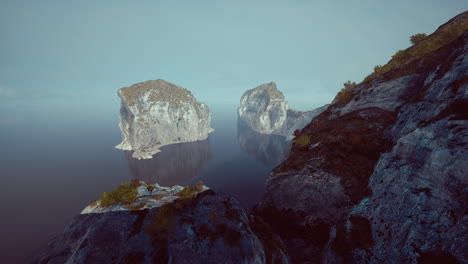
(264, 110)
(210, 227)
(381, 175)
(157, 113)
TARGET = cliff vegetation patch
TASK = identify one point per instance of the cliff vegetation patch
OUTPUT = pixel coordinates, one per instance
(424, 45)
(125, 193)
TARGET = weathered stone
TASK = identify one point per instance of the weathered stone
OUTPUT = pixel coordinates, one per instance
(381, 175)
(264, 110)
(157, 113)
(208, 228)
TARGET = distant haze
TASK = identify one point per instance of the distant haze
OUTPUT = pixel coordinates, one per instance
(74, 55)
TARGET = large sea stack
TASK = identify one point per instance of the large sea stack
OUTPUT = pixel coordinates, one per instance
(157, 113)
(264, 110)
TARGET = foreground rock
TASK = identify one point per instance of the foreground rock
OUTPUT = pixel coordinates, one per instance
(381, 175)
(157, 113)
(206, 227)
(264, 110)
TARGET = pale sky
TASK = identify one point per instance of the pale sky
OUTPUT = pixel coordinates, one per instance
(79, 53)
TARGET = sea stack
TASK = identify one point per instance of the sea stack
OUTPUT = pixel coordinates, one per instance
(265, 111)
(157, 113)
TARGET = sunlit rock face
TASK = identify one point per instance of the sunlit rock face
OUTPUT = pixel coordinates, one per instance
(381, 175)
(264, 110)
(157, 113)
(209, 227)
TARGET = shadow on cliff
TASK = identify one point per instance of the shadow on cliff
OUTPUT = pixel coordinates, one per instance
(271, 150)
(175, 164)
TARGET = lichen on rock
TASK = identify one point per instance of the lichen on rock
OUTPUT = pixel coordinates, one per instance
(157, 113)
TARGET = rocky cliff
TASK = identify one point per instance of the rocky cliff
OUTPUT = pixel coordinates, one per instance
(264, 110)
(165, 225)
(381, 176)
(157, 113)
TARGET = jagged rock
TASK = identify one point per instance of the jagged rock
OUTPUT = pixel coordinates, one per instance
(381, 176)
(157, 113)
(210, 227)
(264, 110)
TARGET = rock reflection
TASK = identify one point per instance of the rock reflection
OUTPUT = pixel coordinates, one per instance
(271, 150)
(175, 164)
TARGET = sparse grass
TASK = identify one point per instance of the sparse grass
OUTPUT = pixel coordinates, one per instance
(190, 191)
(136, 206)
(160, 90)
(423, 45)
(303, 140)
(158, 196)
(125, 193)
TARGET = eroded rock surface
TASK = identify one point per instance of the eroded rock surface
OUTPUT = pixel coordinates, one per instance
(264, 110)
(210, 227)
(157, 113)
(381, 176)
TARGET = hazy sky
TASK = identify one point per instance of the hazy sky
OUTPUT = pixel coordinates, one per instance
(62, 53)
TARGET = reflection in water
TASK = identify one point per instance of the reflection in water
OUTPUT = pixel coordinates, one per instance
(269, 149)
(175, 164)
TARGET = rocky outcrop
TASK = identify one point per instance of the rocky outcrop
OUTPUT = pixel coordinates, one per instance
(157, 113)
(209, 227)
(264, 110)
(381, 175)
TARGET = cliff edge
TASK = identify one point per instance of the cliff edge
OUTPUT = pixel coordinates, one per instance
(381, 175)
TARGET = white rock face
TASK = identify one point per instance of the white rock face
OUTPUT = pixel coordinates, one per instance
(147, 198)
(264, 110)
(157, 113)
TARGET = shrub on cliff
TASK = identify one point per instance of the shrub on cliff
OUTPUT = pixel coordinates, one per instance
(125, 193)
(190, 191)
(344, 95)
(423, 45)
(416, 38)
(303, 140)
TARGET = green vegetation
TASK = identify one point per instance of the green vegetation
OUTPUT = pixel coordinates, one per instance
(423, 45)
(349, 85)
(344, 95)
(133, 207)
(190, 191)
(303, 140)
(416, 38)
(125, 193)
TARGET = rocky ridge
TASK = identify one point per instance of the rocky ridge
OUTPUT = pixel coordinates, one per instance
(381, 175)
(160, 226)
(264, 110)
(157, 113)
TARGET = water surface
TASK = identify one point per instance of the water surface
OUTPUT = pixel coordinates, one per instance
(53, 164)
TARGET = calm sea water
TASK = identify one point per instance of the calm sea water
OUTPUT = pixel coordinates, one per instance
(52, 166)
